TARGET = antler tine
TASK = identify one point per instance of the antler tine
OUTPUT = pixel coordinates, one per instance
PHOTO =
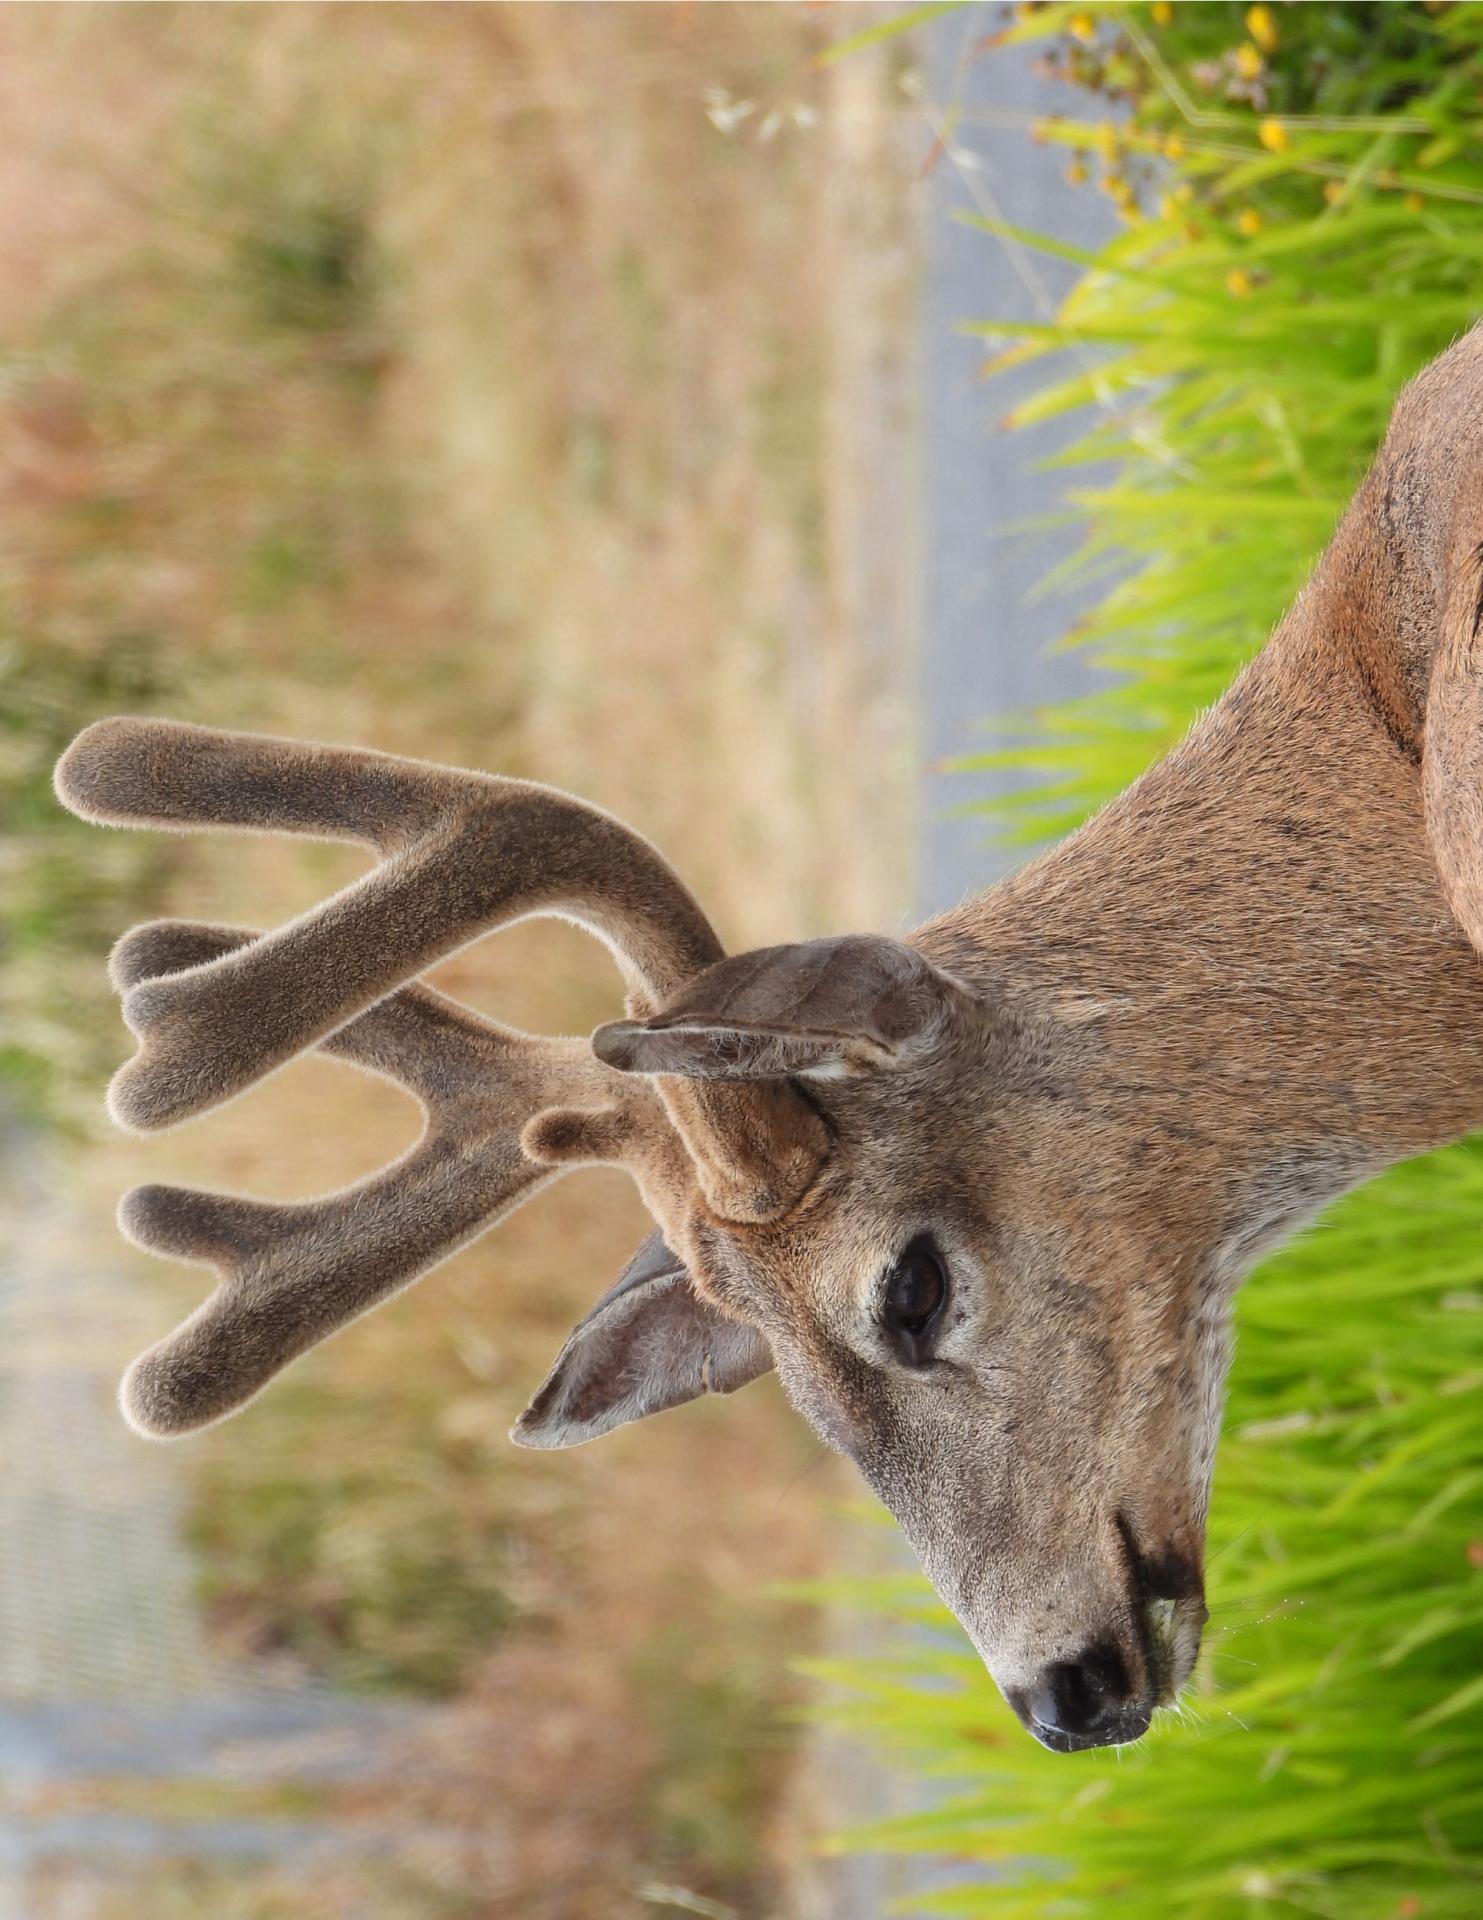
(463, 853)
(292, 1274)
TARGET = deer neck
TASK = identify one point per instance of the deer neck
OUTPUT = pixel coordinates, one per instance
(1250, 949)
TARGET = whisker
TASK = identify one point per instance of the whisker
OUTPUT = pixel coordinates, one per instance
(1237, 1538)
(810, 1466)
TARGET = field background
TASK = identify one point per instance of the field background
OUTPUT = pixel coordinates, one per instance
(522, 387)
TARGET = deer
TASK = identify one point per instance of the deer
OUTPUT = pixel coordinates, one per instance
(982, 1195)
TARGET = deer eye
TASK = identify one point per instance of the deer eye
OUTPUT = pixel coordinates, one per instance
(915, 1290)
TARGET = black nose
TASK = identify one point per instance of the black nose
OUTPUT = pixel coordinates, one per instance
(1086, 1702)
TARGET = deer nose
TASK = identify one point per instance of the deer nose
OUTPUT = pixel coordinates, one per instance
(1085, 1702)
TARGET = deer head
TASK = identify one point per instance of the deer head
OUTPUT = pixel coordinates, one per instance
(870, 1163)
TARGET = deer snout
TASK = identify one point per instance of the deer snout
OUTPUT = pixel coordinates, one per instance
(1105, 1696)
(1091, 1701)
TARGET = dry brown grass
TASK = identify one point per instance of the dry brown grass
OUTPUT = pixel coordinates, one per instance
(439, 378)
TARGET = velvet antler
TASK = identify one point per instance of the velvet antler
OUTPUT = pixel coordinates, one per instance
(291, 1274)
(463, 853)
(217, 1008)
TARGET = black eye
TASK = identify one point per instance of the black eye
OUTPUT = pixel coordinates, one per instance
(915, 1290)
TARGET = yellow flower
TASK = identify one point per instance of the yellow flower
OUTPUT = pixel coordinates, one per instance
(1273, 136)
(1333, 191)
(1162, 12)
(1248, 61)
(1262, 27)
(1107, 140)
(1249, 221)
(1414, 203)
(1082, 26)
(1174, 147)
(1240, 282)
(1076, 172)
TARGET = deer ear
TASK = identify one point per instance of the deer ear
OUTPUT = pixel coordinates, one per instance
(821, 1007)
(651, 1342)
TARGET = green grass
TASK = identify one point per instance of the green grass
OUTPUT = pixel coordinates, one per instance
(718, 1700)
(1302, 233)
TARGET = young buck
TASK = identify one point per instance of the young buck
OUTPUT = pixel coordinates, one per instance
(981, 1196)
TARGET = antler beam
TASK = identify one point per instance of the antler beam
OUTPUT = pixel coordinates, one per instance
(463, 853)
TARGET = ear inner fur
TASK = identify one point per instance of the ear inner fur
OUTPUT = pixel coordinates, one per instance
(650, 1343)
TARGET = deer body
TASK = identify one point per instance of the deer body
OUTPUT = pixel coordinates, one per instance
(982, 1197)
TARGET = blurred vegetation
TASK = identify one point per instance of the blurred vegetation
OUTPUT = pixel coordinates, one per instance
(374, 1569)
(155, 528)
(64, 892)
(240, 1892)
(469, 383)
(1301, 189)
(722, 1738)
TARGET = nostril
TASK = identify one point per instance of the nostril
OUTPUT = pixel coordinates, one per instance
(1080, 1697)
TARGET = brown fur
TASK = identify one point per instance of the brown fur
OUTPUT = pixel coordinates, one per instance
(1103, 1088)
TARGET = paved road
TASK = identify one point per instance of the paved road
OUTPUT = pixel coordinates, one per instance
(984, 640)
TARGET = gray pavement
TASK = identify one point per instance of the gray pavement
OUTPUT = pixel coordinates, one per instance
(984, 636)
